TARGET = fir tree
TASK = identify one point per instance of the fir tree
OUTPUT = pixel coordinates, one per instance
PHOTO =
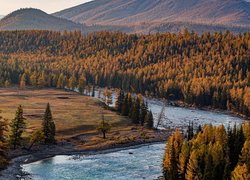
(48, 126)
(119, 101)
(93, 91)
(149, 120)
(125, 106)
(3, 129)
(190, 131)
(143, 112)
(135, 111)
(3, 144)
(17, 128)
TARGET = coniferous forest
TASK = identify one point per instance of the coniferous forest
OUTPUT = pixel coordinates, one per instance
(125, 89)
(204, 70)
(210, 153)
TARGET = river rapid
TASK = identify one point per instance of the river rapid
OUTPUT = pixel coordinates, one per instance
(142, 162)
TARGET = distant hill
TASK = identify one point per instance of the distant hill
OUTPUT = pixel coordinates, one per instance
(229, 14)
(27, 19)
(1, 16)
(35, 19)
(137, 16)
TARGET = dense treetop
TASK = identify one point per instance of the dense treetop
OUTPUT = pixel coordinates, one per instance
(207, 69)
(212, 153)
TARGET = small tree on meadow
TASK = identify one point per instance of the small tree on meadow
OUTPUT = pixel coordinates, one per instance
(17, 128)
(48, 126)
(104, 127)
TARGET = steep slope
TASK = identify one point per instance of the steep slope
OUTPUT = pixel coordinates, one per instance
(121, 12)
(26, 19)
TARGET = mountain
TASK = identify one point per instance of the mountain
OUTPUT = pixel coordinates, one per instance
(1, 16)
(138, 13)
(137, 16)
(26, 19)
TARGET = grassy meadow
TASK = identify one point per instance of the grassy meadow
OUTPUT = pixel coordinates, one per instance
(73, 113)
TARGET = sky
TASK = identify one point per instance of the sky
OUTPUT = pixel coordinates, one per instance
(49, 6)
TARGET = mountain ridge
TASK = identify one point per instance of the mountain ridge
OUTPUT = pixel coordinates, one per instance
(121, 12)
(137, 16)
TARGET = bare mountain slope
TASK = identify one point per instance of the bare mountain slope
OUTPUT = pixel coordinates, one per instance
(128, 12)
(26, 19)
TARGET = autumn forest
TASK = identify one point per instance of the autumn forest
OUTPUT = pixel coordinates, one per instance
(204, 70)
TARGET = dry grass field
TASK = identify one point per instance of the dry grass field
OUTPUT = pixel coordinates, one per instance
(73, 114)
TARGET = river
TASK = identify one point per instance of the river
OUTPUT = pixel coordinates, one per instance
(139, 163)
(179, 117)
(135, 163)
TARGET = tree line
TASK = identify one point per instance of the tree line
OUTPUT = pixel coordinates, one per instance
(135, 108)
(204, 70)
(210, 153)
(11, 134)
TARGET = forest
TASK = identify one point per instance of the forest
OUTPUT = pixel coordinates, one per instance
(210, 153)
(211, 69)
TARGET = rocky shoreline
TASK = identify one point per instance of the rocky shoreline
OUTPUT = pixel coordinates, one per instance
(14, 170)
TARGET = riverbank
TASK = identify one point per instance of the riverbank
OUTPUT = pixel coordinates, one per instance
(182, 104)
(207, 108)
(73, 146)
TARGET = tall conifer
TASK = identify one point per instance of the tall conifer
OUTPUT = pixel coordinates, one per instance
(17, 128)
(48, 126)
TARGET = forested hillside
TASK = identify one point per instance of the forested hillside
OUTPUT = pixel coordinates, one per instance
(205, 70)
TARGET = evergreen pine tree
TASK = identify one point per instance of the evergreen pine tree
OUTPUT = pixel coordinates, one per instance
(48, 126)
(149, 120)
(143, 112)
(93, 91)
(3, 144)
(130, 104)
(17, 128)
(119, 101)
(190, 131)
(125, 106)
(135, 111)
